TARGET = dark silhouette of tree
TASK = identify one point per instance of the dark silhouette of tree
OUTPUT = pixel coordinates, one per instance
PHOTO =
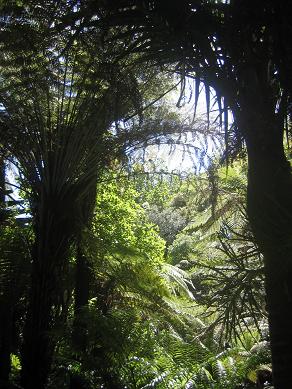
(56, 114)
(60, 94)
(5, 317)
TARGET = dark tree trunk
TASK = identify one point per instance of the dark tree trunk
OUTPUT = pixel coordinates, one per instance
(5, 304)
(5, 341)
(83, 274)
(55, 228)
(2, 183)
(269, 199)
(38, 345)
(81, 294)
(270, 215)
(50, 257)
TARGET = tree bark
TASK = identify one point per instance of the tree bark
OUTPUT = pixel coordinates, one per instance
(38, 346)
(5, 341)
(5, 304)
(50, 256)
(270, 215)
(81, 294)
(2, 183)
(83, 274)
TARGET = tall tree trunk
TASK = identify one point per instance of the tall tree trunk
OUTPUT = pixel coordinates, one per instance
(83, 273)
(81, 294)
(38, 345)
(5, 304)
(50, 257)
(2, 183)
(5, 341)
(270, 214)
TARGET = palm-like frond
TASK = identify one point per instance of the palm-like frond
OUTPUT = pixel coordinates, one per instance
(227, 275)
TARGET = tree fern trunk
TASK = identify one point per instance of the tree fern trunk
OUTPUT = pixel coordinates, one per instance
(52, 240)
(2, 182)
(83, 273)
(38, 345)
(5, 341)
(270, 214)
(5, 304)
(81, 294)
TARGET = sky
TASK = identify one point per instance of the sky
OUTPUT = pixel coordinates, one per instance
(182, 158)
